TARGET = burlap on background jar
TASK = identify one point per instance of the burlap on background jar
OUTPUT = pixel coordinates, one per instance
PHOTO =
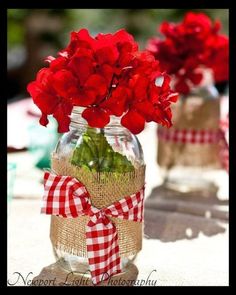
(68, 234)
(195, 113)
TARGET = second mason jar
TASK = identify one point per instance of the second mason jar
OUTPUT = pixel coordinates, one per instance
(189, 150)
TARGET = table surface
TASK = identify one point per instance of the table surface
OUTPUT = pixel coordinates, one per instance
(185, 238)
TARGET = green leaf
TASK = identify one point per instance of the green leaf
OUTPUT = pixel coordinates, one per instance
(96, 154)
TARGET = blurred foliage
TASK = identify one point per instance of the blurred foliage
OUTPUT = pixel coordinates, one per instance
(34, 34)
(17, 24)
(142, 23)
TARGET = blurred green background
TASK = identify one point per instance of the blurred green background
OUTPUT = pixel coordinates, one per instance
(34, 34)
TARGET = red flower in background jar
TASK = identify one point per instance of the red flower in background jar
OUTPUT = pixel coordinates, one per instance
(107, 75)
(219, 61)
(188, 48)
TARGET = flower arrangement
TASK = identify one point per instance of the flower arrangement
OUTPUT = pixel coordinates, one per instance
(190, 46)
(96, 173)
(107, 75)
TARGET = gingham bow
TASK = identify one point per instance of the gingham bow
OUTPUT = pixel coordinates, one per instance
(65, 196)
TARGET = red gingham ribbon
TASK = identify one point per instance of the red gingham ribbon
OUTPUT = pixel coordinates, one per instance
(65, 196)
(189, 135)
(199, 137)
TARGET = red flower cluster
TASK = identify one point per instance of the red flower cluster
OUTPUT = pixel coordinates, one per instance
(190, 46)
(219, 58)
(108, 76)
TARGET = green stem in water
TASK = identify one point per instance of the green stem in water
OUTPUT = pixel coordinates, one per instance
(96, 154)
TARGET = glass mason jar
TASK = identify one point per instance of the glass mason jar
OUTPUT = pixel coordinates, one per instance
(188, 152)
(93, 156)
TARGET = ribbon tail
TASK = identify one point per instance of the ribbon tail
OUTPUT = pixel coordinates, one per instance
(102, 249)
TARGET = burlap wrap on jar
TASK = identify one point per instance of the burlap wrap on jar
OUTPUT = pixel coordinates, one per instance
(68, 234)
(191, 113)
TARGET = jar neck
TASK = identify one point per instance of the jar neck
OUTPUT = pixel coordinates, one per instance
(205, 89)
(78, 122)
(207, 78)
(208, 92)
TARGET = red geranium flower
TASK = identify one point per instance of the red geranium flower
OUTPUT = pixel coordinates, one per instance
(189, 47)
(107, 75)
(219, 61)
(48, 93)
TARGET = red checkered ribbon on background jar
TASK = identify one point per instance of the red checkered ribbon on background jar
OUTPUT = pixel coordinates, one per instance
(204, 136)
(199, 137)
(189, 135)
(67, 197)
